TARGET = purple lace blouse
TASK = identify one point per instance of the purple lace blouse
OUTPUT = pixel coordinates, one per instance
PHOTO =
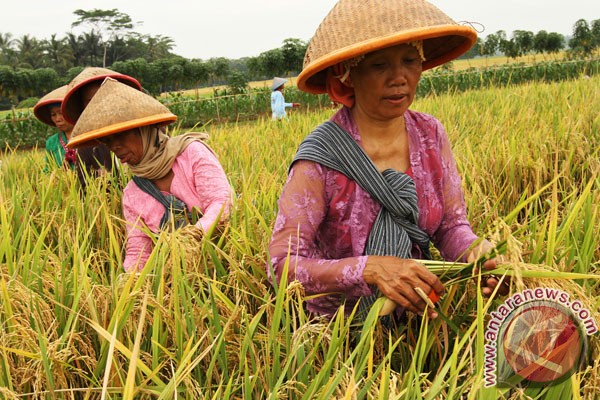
(324, 218)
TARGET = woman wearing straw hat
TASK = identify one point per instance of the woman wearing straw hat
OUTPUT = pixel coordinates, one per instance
(47, 110)
(172, 175)
(369, 189)
(88, 161)
(278, 104)
(80, 91)
(82, 88)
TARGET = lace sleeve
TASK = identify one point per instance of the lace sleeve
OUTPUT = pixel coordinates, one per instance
(302, 210)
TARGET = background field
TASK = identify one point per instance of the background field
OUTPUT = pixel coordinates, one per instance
(209, 325)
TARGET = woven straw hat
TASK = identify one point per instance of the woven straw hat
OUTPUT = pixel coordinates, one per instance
(356, 27)
(72, 107)
(41, 110)
(116, 108)
(277, 82)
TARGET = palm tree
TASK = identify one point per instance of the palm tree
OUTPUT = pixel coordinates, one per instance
(8, 55)
(6, 41)
(158, 46)
(30, 52)
(59, 53)
(92, 48)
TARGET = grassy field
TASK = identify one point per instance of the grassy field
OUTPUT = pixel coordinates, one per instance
(204, 322)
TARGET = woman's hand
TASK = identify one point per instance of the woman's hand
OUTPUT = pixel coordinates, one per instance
(488, 283)
(397, 279)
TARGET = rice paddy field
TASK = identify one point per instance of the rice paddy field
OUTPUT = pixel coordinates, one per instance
(201, 321)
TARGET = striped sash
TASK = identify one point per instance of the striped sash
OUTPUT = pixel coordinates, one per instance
(395, 228)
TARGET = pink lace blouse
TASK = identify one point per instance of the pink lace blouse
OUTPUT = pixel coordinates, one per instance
(199, 181)
(324, 218)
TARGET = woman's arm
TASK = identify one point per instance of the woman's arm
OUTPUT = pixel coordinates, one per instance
(302, 210)
(139, 245)
(212, 186)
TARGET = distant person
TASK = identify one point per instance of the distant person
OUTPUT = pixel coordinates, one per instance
(370, 189)
(48, 111)
(173, 176)
(80, 91)
(278, 104)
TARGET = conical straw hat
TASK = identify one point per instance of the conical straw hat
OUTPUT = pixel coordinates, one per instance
(116, 108)
(72, 106)
(356, 27)
(41, 110)
(277, 82)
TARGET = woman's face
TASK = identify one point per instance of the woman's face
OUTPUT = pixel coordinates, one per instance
(127, 146)
(385, 81)
(57, 117)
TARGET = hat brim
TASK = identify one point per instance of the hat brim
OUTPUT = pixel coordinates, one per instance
(312, 78)
(67, 108)
(42, 110)
(89, 138)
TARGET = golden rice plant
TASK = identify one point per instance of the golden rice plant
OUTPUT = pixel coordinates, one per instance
(201, 320)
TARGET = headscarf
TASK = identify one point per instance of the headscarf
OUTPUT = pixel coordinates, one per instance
(336, 83)
(160, 151)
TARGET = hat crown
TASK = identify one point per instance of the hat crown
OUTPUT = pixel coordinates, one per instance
(72, 105)
(357, 27)
(117, 107)
(277, 82)
(351, 22)
(88, 73)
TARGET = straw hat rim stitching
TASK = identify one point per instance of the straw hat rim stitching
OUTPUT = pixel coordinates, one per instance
(120, 127)
(381, 42)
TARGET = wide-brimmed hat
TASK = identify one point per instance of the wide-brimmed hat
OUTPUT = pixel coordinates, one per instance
(116, 108)
(41, 110)
(277, 82)
(72, 106)
(357, 27)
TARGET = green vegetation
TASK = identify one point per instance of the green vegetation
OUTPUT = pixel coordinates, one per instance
(209, 325)
(195, 109)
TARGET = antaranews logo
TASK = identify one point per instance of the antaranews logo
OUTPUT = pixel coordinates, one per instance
(538, 336)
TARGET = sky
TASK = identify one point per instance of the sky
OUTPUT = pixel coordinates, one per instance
(245, 28)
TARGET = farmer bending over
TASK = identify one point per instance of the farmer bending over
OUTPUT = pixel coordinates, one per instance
(172, 175)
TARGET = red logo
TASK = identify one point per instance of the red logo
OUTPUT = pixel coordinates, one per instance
(542, 342)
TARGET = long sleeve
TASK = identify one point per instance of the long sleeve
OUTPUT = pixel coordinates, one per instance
(298, 227)
(139, 245)
(213, 188)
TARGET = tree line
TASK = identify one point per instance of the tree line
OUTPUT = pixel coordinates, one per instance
(585, 40)
(30, 67)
